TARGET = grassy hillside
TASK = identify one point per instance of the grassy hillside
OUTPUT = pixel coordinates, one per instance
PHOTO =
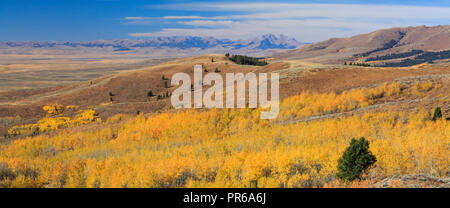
(234, 148)
(378, 43)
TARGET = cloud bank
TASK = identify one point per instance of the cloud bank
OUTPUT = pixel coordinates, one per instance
(305, 22)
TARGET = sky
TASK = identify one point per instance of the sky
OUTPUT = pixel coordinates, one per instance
(306, 21)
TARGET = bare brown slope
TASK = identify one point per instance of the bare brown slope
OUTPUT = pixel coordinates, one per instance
(382, 42)
(129, 89)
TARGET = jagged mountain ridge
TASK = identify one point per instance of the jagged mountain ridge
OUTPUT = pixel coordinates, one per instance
(263, 42)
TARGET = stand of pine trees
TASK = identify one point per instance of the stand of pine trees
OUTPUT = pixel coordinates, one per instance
(247, 60)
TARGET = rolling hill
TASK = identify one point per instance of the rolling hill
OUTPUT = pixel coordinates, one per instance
(394, 45)
(127, 91)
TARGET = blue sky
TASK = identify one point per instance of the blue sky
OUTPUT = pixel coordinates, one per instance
(307, 21)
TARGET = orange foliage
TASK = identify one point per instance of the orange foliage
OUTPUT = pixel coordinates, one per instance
(230, 148)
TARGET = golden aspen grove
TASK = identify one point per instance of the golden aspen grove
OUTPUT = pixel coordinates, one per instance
(228, 147)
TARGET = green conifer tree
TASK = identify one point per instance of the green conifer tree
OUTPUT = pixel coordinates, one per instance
(356, 159)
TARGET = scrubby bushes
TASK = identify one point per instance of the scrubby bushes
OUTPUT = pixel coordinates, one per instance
(53, 123)
(358, 64)
(184, 150)
(395, 55)
(426, 57)
(57, 109)
(322, 103)
(232, 147)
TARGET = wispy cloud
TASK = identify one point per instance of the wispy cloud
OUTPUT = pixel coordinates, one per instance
(164, 17)
(183, 17)
(208, 23)
(305, 22)
(137, 18)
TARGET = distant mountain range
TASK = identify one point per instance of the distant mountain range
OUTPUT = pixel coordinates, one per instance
(160, 45)
(404, 46)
